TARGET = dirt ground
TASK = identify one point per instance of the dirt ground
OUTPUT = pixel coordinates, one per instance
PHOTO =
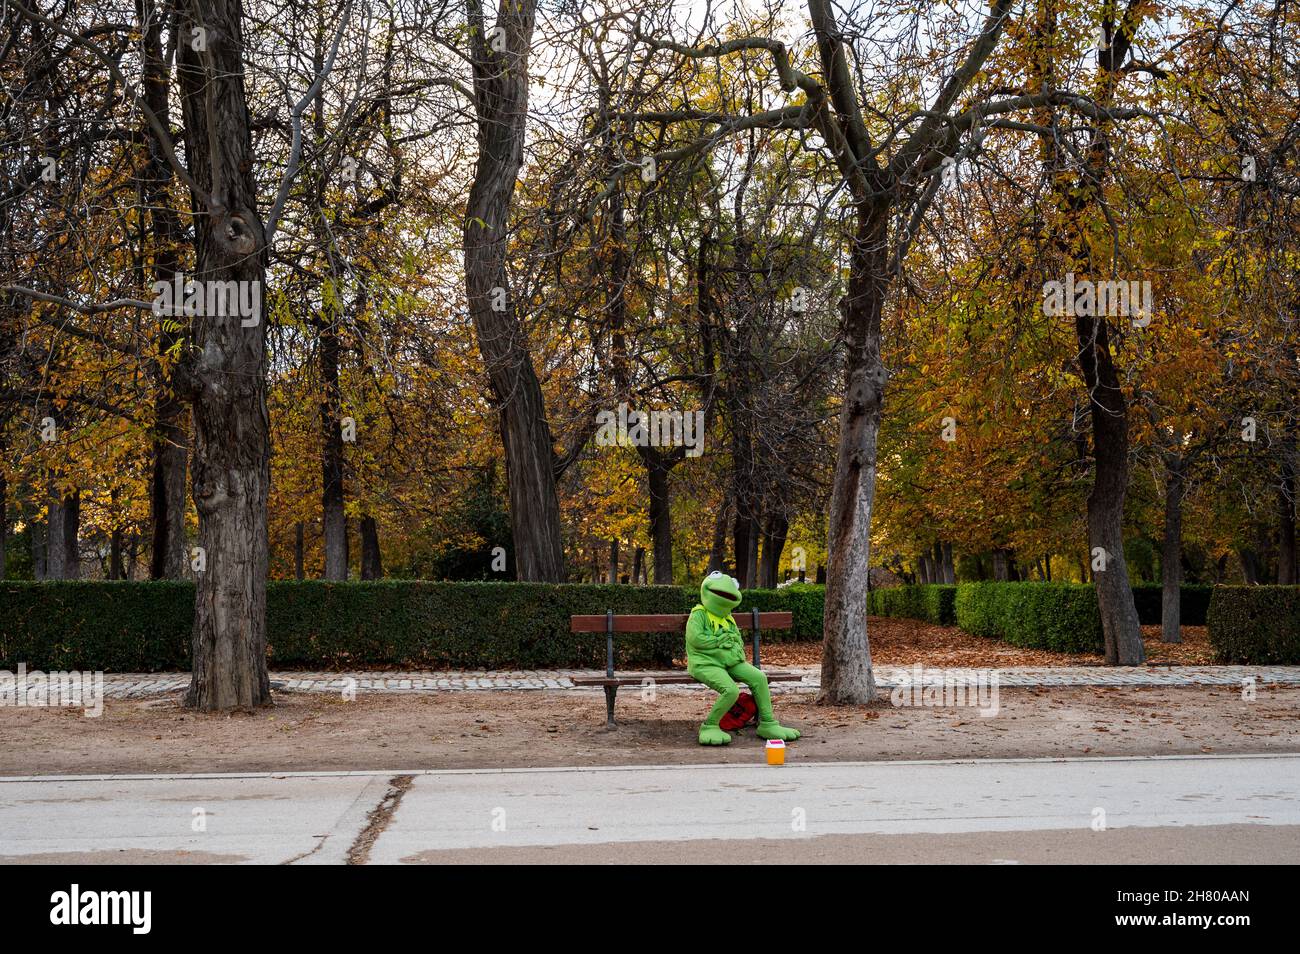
(903, 642)
(311, 731)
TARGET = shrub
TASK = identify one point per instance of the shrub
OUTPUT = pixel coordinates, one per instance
(145, 626)
(1258, 625)
(1062, 617)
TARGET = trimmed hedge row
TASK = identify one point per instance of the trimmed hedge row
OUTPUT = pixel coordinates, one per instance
(1258, 625)
(145, 626)
(932, 602)
(82, 625)
(1062, 617)
(935, 602)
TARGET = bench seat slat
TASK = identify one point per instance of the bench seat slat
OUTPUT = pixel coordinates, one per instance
(669, 623)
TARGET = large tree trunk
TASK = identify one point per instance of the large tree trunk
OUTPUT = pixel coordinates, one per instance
(1109, 412)
(231, 470)
(1171, 553)
(372, 564)
(501, 87)
(612, 576)
(846, 675)
(169, 439)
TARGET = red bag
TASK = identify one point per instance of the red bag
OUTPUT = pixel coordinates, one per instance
(741, 714)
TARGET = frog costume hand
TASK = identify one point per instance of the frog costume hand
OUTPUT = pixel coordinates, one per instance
(715, 655)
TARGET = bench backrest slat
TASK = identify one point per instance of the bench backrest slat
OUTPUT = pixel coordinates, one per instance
(671, 623)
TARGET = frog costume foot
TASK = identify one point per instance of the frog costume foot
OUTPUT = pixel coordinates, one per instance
(775, 730)
(712, 735)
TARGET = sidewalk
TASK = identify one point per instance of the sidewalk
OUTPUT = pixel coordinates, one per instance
(143, 685)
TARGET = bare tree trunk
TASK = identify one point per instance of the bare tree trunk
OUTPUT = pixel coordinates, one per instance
(116, 538)
(718, 550)
(501, 101)
(846, 675)
(231, 471)
(745, 547)
(170, 441)
(638, 566)
(1250, 568)
(62, 525)
(1171, 553)
(167, 490)
(40, 549)
(298, 549)
(1286, 515)
(774, 534)
(613, 561)
(1119, 619)
(949, 568)
(1001, 571)
(71, 533)
(334, 521)
(372, 564)
(661, 517)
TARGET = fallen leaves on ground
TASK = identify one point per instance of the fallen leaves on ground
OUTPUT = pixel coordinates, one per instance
(906, 642)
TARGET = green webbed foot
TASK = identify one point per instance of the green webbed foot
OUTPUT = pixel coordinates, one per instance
(712, 735)
(775, 730)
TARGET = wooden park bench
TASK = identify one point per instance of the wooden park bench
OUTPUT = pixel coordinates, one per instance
(609, 624)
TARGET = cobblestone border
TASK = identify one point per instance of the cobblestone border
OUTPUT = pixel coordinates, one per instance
(138, 685)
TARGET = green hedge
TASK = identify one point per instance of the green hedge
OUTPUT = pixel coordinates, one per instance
(1149, 599)
(139, 626)
(1258, 625)
(73, 625)
(932, 602)
(1061, 617)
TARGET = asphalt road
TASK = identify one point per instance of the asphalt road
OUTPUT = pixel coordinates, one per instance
(1174, 809)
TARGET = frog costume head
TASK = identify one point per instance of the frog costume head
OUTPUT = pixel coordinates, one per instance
(720, 594)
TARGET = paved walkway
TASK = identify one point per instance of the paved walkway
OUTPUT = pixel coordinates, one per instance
(141, 685)
(1151, 810)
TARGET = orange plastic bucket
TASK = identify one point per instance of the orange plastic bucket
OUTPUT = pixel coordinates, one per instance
(775, 752)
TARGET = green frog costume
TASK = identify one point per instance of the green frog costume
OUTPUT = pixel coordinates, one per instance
(715, 655)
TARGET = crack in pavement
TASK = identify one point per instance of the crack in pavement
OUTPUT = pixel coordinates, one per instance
(378, 818)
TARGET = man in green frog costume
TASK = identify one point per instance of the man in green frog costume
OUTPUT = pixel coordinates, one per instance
(715, 655)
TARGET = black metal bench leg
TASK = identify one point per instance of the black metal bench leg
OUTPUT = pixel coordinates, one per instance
(611, 693)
